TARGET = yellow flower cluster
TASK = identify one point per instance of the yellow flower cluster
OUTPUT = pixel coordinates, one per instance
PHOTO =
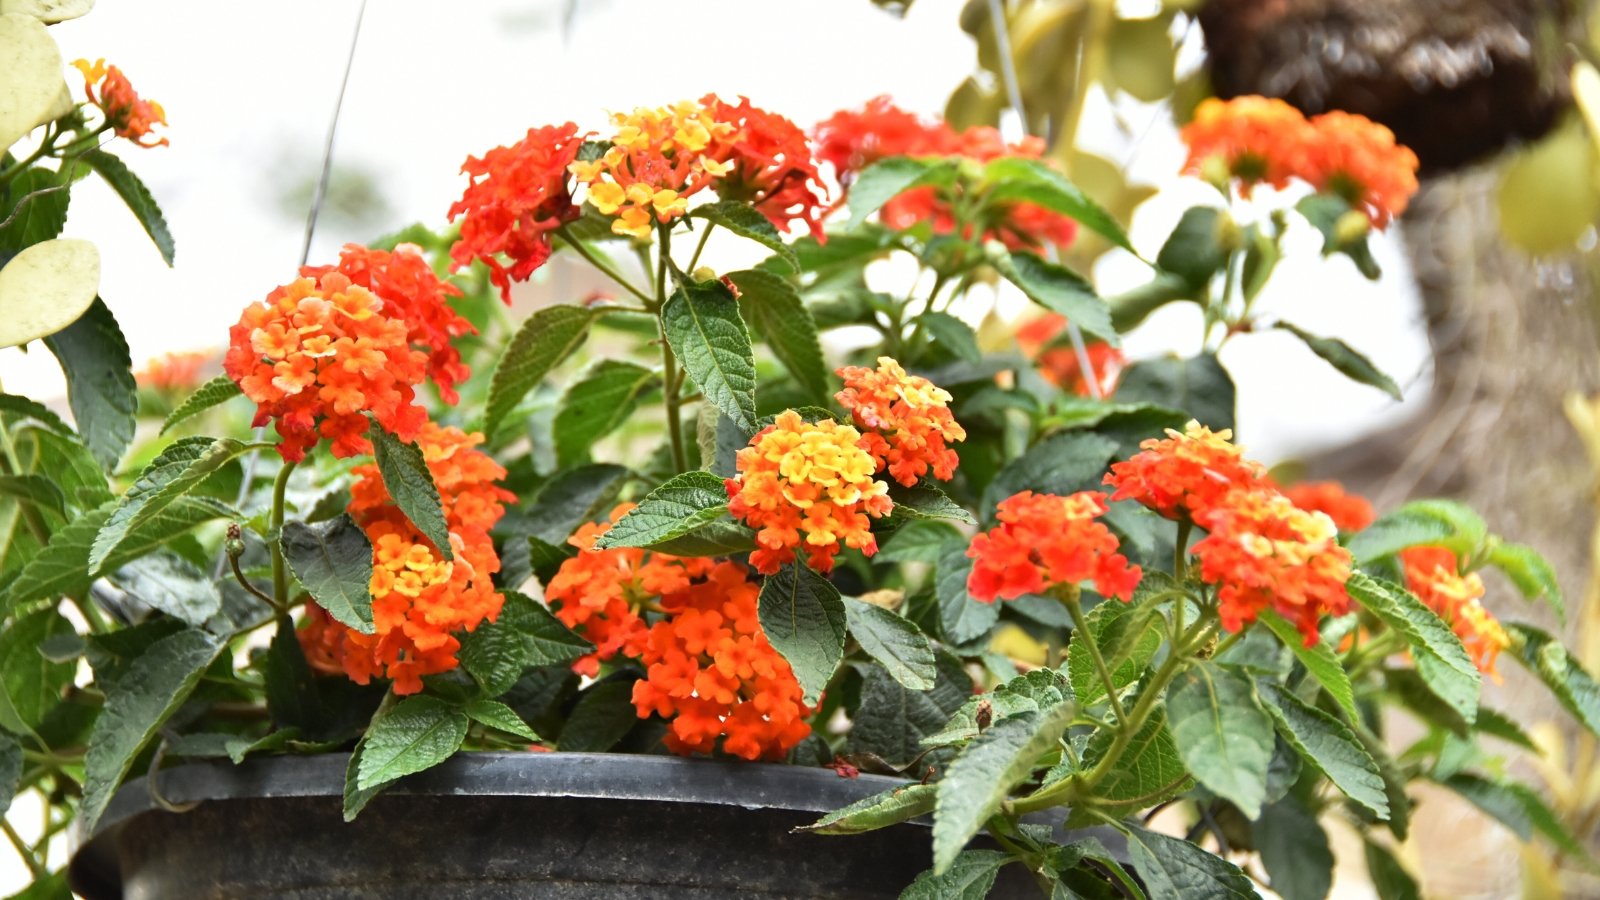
(657, 158)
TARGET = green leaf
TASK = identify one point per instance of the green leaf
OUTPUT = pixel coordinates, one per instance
(1440, 658)
(218, 390)
(62, 567)
(1390, 880)
(333, 561)
(1350, 364)
(1222, 734)
(952, 334)
(526, 634)
(1530, 572)
(1060, 464)
(1329, 745)
(743, 219)
(599, 401)
(100, 385)
(1060, 290)
(981, 777)
(406, 475)
(1034, 181)
(172, 585)
(1040, 689)
(138, 703)
(178, 470)
(418, 733)
(1324, 211)
(775, 311)
(604, 714)
(924, 501)
(1397, 531)
(136, 195)
(68, 463)
(30, 684)
(896, 644)
(804, 619)
(705, 330)
(969, 877)
(356, 798)
(293, 697)
(1294, 849)
(35, 489)
(886, 179)
(545, 339)
(1199, 386)
(1319, 660)
(1150, 763)
(1195, 251)
(962, 619)
(1172, 867)
(571, 499)
(891, 807)
(11, 771)
(1494, 723)
(893, 722)
(1544, 656)
(500, 717)
(1112, 625)
(920, 540)
(37, 209)
(1519, 808)
(17, 407)
(680, 506)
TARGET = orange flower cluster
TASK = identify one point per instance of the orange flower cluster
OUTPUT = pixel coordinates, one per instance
(772, 168)
(316, 354)
(1262, 140)
(1433, 574)
(412, 291)
(907, 417)
(597, 592)
(180, 371)
(517, 196)
(712, 672)
(1185, 474)
(1045, 540)
(1264, 552)
(420, 600)
(852, 140)
(1350, 512)
(1059, 365)
(129, 115)
(804, 483)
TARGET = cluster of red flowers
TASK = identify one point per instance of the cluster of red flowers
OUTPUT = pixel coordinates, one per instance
(129, 115)
(709, 669)
(1262, 550)
(1044, 540)
(906, 418)
(1059, 364)
(1350, 512)
(420, 600)
(1434, 575)
(179, 371)
(343, 340)
(653, 160)
(1261, 140)
(851, 140)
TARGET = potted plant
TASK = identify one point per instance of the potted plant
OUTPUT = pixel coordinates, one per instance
(998, 580)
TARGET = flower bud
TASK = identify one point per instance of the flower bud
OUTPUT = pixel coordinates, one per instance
(1352, 228)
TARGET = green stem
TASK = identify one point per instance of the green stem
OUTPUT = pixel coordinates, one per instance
(1180, 551)
(1068, 595)
(669, 362)
(45, 146)
(599, 263)
(698, 248)
(939, 279)
(23, 850)
(280, 572)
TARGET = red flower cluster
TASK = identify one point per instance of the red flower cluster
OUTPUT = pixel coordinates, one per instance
(129, 115)
(1433, 574)
(1059, 364)
(420, 600)
(711, 671)
(772, 168)
(1044, 540)
(180, 371)
(1351, 512)
(517, 196)
(1262, 140)
(853, 140)
(907, 419)
(1184, 474)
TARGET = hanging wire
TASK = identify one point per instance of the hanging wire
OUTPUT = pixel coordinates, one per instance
(1008, 73)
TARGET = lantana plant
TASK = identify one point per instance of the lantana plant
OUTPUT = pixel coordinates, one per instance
(778, 513)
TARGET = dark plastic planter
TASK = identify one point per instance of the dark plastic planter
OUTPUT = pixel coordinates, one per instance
(494, 825)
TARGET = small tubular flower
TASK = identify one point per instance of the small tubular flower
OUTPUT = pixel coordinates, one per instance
(1351, 512)
(1059, 364)
(420, 600)
(804, 484)
(907, 419)
(1184, 474)
(770, 165)
(658, 158)
(317, 353)
(1433, 574)
(1044, 540)
(712, 674)
(517, 196)
(1356, 158)
(129, 115)
(1257, 139)
(1263, 552)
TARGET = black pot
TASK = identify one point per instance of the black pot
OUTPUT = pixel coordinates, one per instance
(494, 825)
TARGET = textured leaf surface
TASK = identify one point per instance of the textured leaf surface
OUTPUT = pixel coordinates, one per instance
(596, 404)
(970, 877)
(1060, 290)
(405, 474)
(30, 684)
(1175, 868)
(218, 390)
(1319, 659)
(418, 733)
(679, 506)
(1294, 849)
(1330, 746)
(891, 807)
(705, 330)
(178, 470)
(100, 385)
(894, 642)
(1036, 182)
(745, 221)
(774, 310)
(1222, 734)
(804, 619)
(1440, 658)
(1572, 685)
(961, 618)
(500, 717)
(172, 585)
(545, 339)
(333, 560)
(882, 181)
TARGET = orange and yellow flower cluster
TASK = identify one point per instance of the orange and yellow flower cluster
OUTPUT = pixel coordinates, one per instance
(1258, 140)
(1059, 364)
(421, 601)
(851, 140)
(1044, 540)
(129, 115)
(907, 421)
(178, 371)
(1350, 512)
(1433, 574)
